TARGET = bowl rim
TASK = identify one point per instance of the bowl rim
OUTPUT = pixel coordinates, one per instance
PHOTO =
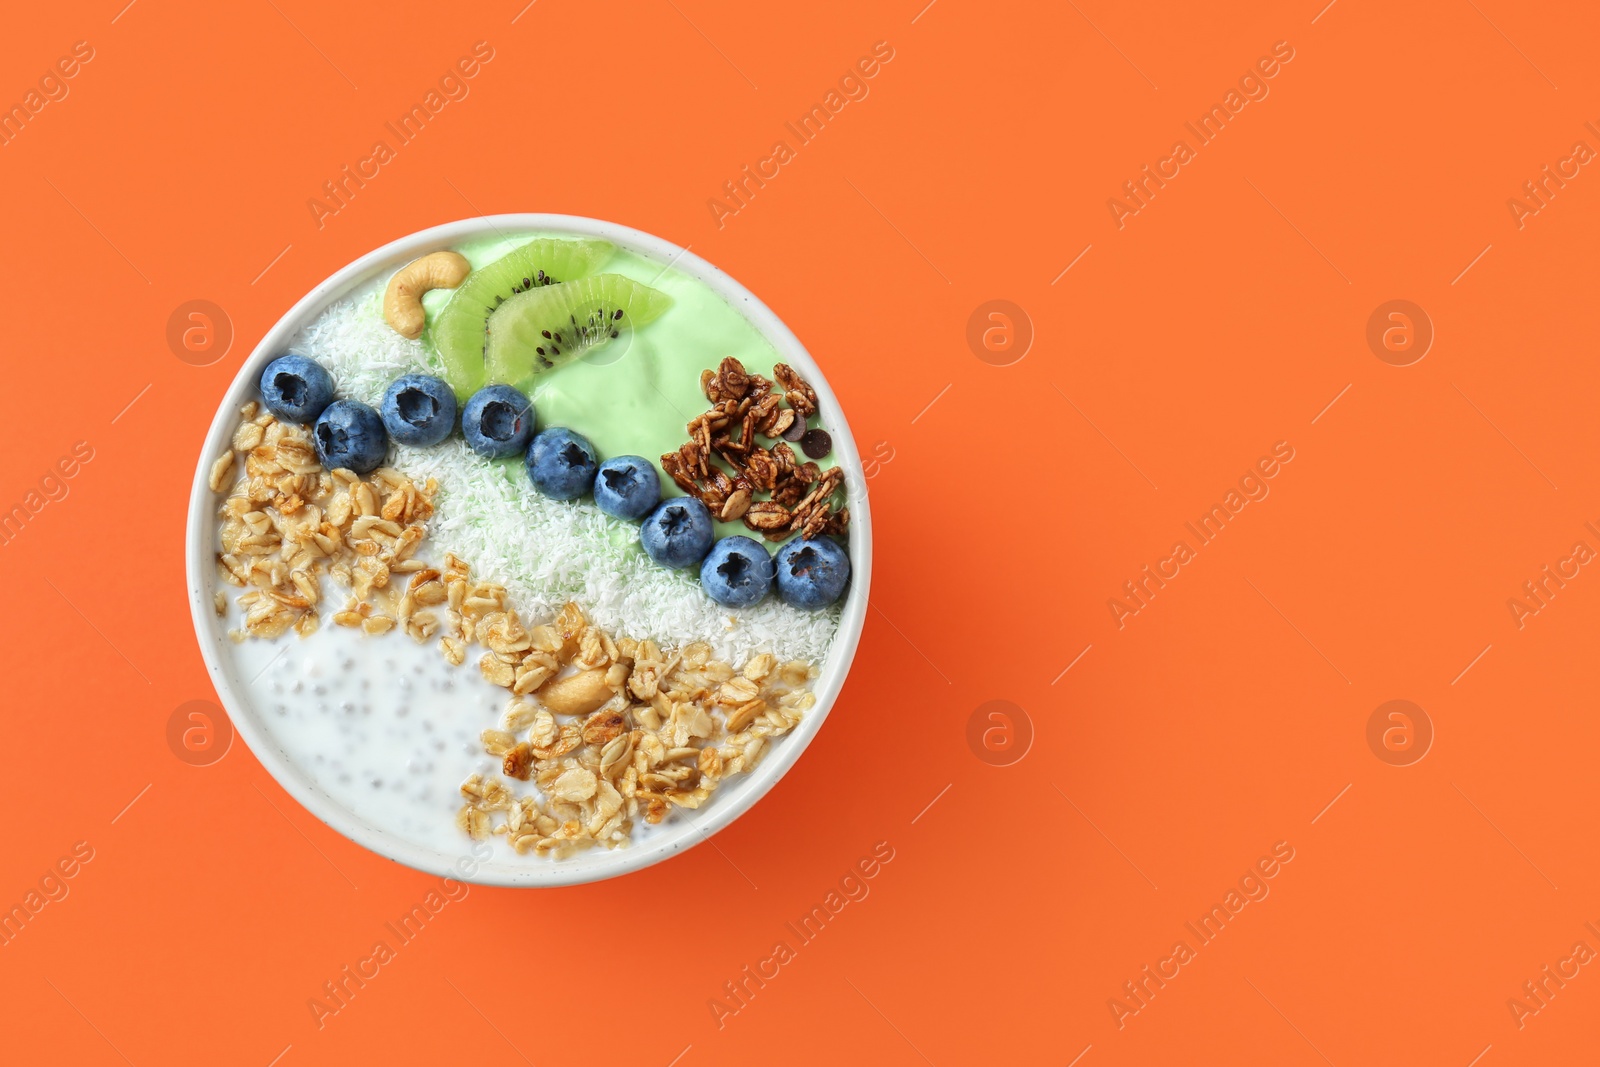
(692, 826)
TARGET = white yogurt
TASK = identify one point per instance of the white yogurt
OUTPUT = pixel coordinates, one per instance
(386, 727)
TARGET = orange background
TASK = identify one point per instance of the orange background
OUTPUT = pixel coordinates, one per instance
(1224, 717)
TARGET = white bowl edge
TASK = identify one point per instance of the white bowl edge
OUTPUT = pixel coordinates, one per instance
(685, 828)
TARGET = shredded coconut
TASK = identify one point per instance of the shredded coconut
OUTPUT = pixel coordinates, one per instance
(544, 551)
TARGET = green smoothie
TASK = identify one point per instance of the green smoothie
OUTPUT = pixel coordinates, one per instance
(637, 394)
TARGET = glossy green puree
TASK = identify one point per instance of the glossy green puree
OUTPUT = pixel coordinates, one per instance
(636, 395)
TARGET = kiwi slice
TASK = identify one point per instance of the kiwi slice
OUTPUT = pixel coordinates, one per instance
(458, 331)
(539, 329)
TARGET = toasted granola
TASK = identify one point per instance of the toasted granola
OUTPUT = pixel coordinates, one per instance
(796, 390)
(607, 731)
(286, 523)
(620, 731)
(798, 496)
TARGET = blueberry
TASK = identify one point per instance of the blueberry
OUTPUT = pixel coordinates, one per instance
(678, 533)
(737, 573)
(812, 574)
(561, 463)
(349, 434)
(497, 421)
(296, 389)
(419, 409)
(627, 487)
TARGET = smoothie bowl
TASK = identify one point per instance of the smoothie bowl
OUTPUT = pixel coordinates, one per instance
(529, 549)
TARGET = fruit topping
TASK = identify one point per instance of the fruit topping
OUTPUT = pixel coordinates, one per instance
(349, 434)
(402, 300)
(460, 329)
(419, 409)
(561, 464)
(737, 572)
(816, 443)
(498, 421)
(812, 574)
(627, 487)
(677, 533)
(296, 389)
(540, 307)
(542, 328)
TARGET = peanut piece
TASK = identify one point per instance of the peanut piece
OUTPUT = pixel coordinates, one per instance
(578, 694)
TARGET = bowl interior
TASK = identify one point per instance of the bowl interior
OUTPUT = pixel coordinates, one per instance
(685, 828)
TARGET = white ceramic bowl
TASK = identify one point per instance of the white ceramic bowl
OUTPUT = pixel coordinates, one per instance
(684, 829)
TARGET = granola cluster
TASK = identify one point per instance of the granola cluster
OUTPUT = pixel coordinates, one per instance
(286, 522)
(610, 731)
(775, 495)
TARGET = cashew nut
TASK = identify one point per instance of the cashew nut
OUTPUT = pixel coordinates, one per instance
(402, 301)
